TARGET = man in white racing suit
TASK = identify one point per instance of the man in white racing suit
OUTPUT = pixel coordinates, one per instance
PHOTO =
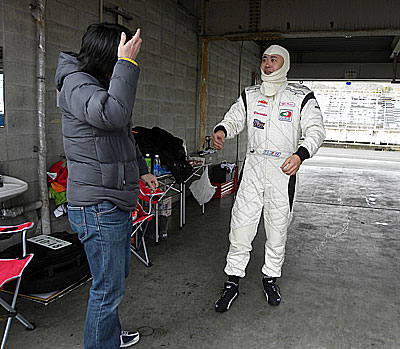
(277, 114)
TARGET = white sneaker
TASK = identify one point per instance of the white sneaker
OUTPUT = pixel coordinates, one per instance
(128, 338)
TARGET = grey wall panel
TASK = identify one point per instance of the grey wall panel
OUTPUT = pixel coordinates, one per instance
(224, 89)
(65, 24)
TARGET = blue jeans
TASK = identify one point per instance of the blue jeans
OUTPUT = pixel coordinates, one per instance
(105, 232)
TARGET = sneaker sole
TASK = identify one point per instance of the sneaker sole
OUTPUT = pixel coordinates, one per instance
(133, 342)
(229, 304)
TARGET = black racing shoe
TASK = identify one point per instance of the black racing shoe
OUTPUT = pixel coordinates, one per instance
(271, 291)
(228, 295)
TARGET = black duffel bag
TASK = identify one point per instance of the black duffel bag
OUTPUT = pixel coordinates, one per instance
(181, 170)
(168, 147)
(218, 174)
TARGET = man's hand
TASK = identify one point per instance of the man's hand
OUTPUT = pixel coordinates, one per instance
(131, 48)
(150, 180)
(219, 139)
(291, 165)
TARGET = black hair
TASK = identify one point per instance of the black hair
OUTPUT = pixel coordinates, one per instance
(99, 49)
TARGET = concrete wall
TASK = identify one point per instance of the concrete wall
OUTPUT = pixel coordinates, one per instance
(223, 90)
(168, 86)
(66, 21)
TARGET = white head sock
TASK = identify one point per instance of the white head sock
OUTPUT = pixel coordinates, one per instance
(273, 81)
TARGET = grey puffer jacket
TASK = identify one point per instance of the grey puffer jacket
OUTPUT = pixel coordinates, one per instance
(104, 162)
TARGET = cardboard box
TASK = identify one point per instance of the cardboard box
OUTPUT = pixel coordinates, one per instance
(165, 207)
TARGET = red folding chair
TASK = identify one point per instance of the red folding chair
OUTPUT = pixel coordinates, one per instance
(11, 269)
(141, 220)
(151, 198)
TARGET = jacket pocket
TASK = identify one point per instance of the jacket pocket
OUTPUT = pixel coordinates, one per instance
(131, 174)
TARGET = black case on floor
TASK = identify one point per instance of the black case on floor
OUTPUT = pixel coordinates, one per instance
(50, 270)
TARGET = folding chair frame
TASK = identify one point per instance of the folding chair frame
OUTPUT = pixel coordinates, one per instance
(152, 199)
(140, 229)
(12, 312)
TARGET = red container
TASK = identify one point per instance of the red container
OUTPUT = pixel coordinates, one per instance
(223, 189)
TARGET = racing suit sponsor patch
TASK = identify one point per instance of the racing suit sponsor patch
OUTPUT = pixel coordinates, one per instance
(285, 115)
(262, 103)
(286, 104)
(258, 113)
(258, 124)
(272, 153)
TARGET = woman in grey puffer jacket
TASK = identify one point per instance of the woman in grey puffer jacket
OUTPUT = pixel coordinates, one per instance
(97, 93)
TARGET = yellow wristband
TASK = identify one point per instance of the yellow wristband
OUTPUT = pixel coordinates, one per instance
(129, 60)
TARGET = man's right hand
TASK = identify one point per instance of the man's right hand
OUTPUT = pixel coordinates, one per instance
(131, 48)
(219, 139)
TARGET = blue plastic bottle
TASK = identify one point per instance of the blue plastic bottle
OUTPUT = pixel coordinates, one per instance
(157, 166)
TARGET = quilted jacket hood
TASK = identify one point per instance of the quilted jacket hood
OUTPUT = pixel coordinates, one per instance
(67, 64)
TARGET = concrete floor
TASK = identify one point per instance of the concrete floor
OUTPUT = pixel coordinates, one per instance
(340, 284)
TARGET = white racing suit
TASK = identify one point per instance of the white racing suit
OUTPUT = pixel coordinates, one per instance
(275, 125)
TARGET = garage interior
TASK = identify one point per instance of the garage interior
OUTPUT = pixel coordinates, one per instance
(340, 280)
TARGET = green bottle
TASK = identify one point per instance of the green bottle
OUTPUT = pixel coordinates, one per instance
(148, 161)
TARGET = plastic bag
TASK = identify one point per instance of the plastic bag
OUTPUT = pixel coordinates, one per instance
(202, 189)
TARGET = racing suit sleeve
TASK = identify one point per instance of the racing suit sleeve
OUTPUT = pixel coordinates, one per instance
(312, 127)
(234, 120)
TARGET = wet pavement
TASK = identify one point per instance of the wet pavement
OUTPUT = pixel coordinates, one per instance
(340, 283)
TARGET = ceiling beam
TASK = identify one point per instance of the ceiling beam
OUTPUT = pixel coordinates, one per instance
(276, 35)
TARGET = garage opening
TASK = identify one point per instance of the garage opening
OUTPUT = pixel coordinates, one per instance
(365, 112)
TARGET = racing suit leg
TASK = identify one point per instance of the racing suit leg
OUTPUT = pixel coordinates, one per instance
(246, 215)
(278, 200)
